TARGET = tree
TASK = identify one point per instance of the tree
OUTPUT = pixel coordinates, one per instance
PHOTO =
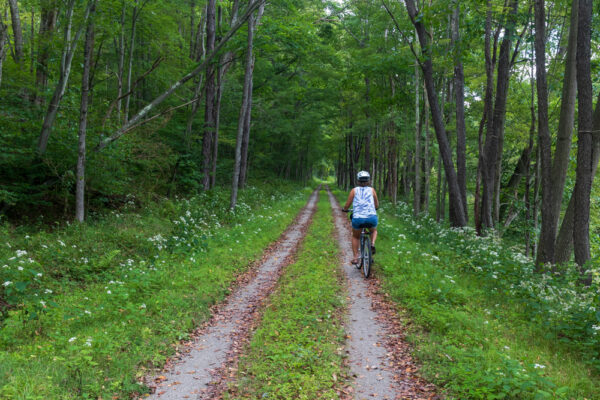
(492, 149)
(17, 31)
(88, 52)
(459, 90)
(3, 45)
(554, 172)
(583, 183)
(458, 217)
(209, 96)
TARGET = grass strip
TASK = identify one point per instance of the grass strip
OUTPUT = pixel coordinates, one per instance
(472, 329)
(297, 351)
(87, 329)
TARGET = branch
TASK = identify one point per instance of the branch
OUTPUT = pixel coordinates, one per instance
(199, 68)
(514, 56)
(160, 114)
(133, 86)
(401, 32)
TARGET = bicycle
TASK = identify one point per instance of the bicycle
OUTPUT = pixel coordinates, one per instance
(365, 255)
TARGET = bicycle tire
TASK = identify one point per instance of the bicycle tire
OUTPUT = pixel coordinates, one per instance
(367, 260)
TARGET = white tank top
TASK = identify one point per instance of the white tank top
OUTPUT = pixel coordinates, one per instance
(363, 205)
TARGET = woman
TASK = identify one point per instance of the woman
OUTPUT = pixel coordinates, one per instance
(364, 215)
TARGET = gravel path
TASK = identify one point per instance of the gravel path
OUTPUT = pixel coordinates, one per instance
(379, 359)
(211, 357)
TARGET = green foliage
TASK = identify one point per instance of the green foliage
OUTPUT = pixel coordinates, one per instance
(113, 296)
(296, 353)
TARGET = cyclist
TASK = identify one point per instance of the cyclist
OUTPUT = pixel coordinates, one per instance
(364, 215)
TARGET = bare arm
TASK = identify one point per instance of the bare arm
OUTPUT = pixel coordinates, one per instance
(350, 199)
(375, 199)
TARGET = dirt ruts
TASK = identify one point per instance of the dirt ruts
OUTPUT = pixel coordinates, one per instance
(379, 358)
(206, 362)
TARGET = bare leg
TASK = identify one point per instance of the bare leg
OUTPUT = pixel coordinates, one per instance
(355, 240)
(373, 235)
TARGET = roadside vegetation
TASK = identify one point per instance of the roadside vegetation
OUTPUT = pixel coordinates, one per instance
(87, 308)
(297, 351)
(484, 324)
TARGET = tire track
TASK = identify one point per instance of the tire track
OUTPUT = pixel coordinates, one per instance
(211, 357)
(379, 359)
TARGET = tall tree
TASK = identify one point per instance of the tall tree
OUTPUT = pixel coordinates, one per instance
(458, 217)
(583, 182)
(88, 52)
(17, 31)
(3, 45)
(209, 96)
(248, 113)
(459, 91)
(495, 121)
(417, 185)
(134, 18)
(546, 243)
(554, 176)
(235, 185)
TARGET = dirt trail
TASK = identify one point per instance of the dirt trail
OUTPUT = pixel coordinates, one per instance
(379, 359)
(210, 358)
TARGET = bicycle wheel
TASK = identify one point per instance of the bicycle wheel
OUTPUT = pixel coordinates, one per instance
(366, 256)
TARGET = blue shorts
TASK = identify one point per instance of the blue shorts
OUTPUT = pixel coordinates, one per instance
(370, 222)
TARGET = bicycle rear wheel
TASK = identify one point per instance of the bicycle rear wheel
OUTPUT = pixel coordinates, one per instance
(367, 260)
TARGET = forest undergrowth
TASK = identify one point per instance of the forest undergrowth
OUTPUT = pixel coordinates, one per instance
(86, 310)
(484, 324)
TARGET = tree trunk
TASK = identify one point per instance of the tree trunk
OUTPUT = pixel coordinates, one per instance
(367, 159)
(3, 46)
(563, 146)
(459, 90)
(134, 18)
(17, 31)
(246, 136)
(426, 161)
(48, 19)
(495, 130)
(237, 168)
(209, 96)
(545, 252)
(527, 167)
(121, 62)
(583, 182)
(215, 152)
(458, 215)
(248, 114)
(65, 71)
(83, 113)
(417, 184)
(564, 241)
(199, 54)
(486, 118)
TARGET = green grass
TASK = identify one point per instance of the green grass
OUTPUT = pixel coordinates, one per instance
(116, 295)
(296, 353)
(484, 325)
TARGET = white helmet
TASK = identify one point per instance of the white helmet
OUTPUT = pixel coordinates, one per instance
(363, 176)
